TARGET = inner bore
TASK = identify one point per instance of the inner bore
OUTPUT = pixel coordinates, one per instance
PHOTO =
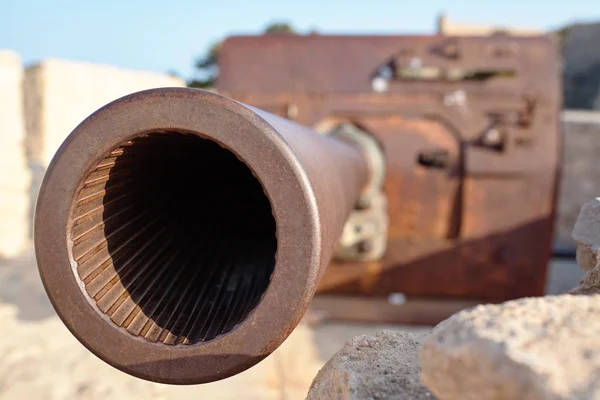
(173, 238)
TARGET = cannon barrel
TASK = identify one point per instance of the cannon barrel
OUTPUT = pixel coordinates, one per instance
(180, 235)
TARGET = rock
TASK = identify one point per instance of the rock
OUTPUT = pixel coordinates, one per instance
(587, 227)
(527, 349)
(587, 258)
(589, 284)
(373, 367)
(587, 234)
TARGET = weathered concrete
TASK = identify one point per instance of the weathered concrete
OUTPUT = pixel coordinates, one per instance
(14, 176)
(59, 94)
(587, 234)
(373, 367)
(527, 349)
(580, 178)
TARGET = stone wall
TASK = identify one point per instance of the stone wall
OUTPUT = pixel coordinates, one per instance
(60, 94)
(14, 175)
(448, 27)
(39, 107)
(580, 180)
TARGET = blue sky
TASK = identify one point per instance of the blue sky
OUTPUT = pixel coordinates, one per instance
(168, 35)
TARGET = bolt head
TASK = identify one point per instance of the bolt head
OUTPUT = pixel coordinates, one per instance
(365, 246)
(492, 137)
(379, 84)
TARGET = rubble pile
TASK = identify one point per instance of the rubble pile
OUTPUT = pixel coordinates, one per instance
(527, 349)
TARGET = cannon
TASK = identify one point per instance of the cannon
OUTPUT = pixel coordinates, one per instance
(181, 234)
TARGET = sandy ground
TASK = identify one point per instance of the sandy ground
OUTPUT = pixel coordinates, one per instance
(40, 359)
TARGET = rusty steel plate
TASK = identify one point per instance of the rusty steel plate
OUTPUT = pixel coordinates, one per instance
(470, 130)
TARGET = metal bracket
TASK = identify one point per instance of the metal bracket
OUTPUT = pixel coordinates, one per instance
(364, 237)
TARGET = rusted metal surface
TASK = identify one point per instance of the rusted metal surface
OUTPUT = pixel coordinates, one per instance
(181, 235)
(469, 127)
(424, 311)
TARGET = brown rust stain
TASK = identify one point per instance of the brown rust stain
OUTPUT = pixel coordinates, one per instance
(471, 224)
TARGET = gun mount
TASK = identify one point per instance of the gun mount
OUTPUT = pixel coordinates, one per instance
(471, 135)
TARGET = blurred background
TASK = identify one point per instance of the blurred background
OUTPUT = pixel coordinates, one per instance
(62, 60)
